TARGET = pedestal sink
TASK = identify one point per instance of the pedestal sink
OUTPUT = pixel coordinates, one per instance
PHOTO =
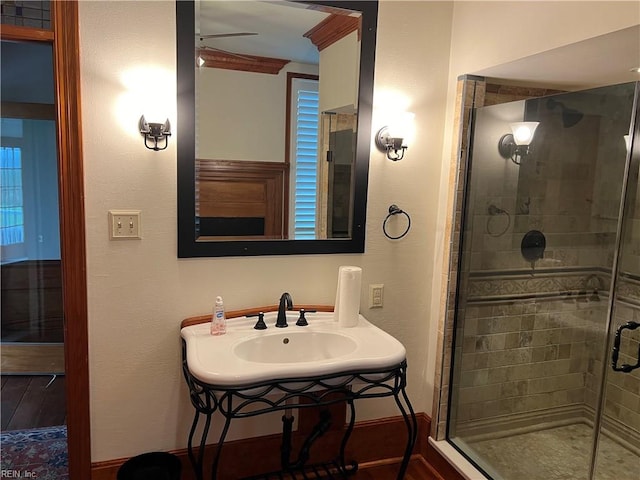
(244, 356)
(248, 372)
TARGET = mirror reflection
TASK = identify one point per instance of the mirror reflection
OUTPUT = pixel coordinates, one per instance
(274, 123)
(276, 119)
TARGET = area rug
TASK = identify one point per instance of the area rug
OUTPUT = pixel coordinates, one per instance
(38, 453)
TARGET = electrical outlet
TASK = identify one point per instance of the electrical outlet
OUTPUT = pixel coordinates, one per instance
(376, 294)
(124, 224)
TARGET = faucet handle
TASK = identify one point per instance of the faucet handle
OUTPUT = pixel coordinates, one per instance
(302, 322)
(260, 325)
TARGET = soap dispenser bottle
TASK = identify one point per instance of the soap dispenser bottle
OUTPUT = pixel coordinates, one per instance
(218, 322)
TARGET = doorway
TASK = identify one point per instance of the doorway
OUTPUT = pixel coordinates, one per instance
(32, 331)
(58, 29)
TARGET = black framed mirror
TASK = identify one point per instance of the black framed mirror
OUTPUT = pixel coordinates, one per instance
(221, 207)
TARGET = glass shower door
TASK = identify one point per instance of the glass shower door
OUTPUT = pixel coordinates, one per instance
(618, 440)
(537, 262)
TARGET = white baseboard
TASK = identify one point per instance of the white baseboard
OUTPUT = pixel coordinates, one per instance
(457, 460)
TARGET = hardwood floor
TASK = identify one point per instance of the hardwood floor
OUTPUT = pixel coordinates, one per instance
(27, 402)
(418, 470)
(32, 401)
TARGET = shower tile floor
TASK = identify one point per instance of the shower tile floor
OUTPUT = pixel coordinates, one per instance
(561, 453)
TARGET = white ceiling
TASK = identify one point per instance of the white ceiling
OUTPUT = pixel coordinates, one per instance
(598, 61)
(280, 26)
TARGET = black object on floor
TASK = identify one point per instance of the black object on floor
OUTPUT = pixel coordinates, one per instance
(151, 466)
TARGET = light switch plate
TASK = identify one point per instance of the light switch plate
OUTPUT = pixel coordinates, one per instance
(125, 224)
(376, 294)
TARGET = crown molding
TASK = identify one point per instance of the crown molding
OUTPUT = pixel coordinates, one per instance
(332, 29)
(244, 63)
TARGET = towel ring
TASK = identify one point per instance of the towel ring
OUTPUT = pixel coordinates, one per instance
(496, 212)
(395, 210)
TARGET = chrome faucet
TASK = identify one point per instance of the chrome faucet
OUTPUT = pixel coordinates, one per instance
(286, 303)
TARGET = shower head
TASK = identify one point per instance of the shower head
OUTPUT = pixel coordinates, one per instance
(570, 116)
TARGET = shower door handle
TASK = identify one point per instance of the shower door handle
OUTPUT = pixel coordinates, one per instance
(625, 367)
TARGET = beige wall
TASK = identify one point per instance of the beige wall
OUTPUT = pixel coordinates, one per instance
(235, 105)
(340, 73)
(139, 291)
(489, 33)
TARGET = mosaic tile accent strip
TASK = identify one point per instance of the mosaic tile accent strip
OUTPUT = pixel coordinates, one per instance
(520, 284)
(628, 288)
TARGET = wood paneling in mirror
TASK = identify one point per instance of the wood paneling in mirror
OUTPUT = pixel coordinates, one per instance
(241, 189)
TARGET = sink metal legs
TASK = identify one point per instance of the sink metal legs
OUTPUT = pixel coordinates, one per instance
(321, 391)
(412, 429)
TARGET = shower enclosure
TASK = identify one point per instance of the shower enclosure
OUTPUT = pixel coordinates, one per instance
(545, 380)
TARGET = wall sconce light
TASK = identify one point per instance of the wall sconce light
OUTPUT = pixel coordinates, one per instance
(155, 132)
(515, 145)
(391, 139)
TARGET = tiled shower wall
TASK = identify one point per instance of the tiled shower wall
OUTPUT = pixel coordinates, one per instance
(520, 356)
(472, 92)
(631, 252)
(622, 394)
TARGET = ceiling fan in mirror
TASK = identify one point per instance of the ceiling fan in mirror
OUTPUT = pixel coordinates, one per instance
(225, 35)
(240, 60)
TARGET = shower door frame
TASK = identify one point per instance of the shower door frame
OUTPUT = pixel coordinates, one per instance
(472, 91)
(632, 159)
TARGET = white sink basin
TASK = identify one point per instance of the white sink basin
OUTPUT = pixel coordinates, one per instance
(297, 346)
(244, 356)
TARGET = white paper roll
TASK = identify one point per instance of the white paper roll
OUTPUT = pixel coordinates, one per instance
(336, 307)
(347, 308)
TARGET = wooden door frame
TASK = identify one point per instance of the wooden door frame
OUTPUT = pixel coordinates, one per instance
(64, 37)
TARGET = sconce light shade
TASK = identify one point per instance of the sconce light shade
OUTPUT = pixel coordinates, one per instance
(199, 61)
(515, 145)
(391, 139)
(155, 132)
(523, 132)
